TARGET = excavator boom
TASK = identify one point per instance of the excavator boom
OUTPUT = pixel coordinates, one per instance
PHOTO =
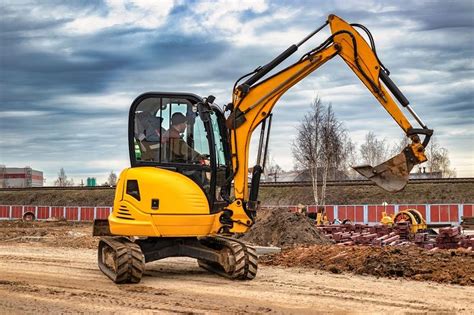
(254, 100)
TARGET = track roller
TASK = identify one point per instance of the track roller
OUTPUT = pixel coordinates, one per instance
(240, 261)
(121, 260)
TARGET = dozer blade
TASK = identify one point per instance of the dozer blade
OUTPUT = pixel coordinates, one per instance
(391, 175)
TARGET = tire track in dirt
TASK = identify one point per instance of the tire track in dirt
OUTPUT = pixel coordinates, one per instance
(41, 279)
(367, 297)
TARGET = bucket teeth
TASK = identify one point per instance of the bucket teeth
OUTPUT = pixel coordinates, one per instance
(391, 175)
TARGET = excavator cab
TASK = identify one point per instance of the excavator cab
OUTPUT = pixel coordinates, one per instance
(178, 133)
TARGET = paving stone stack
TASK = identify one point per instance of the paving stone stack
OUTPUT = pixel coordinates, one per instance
(399, 235)
(403, 229)
(467, 223)
(449, 238)
(467, 242)
(381, 229)
(424, 240)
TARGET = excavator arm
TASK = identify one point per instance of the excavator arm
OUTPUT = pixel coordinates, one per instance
(254, 100)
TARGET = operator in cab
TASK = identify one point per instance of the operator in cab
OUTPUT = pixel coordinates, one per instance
(176, 149)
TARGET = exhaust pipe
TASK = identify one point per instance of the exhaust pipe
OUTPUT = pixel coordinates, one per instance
(393, 174)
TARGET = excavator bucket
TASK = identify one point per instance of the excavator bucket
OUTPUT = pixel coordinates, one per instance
(391, 175)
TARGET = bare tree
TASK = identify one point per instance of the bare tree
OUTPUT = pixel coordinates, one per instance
(272, 169)
(349, 158)
(62, 180)
(374, 151)
(320, 147)
(397, 147)
(332, 148)
(112, 180)
(438, 159)
(306, 147)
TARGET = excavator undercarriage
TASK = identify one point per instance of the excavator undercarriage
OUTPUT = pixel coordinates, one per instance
(123, 259)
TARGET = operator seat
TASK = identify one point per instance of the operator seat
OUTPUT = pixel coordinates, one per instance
(147, 132)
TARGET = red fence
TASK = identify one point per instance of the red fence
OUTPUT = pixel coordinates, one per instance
(46, 212)
(433, 213)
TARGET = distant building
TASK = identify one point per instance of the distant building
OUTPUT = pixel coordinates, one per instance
(423, 174)
(16, 177)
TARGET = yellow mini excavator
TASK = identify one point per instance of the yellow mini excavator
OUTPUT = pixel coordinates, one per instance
(187, 192)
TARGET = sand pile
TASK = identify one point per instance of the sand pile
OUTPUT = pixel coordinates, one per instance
(279, 227)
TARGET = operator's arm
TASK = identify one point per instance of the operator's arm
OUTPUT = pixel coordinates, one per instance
(182, 151)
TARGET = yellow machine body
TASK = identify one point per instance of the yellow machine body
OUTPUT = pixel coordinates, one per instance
(182, 210)
(412, 216)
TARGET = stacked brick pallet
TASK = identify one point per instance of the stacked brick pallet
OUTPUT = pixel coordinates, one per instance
(424, 240)
(398, 235)
(449, 238)
(467, 223)
(361, 234)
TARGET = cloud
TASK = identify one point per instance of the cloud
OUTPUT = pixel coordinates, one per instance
(70, 70)
(144, 14)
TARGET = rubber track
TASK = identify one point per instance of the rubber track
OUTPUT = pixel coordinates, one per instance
(251, 259)
(128, 260)
(244, 260)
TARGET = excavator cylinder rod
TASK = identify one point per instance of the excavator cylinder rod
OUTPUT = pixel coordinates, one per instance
(393, 88)
(415, 115)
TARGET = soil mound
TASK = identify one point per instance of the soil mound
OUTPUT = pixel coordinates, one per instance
(446, 266)
(279, 227)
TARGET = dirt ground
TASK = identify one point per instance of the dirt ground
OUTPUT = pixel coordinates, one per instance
(52, 268)
(54, 234)
(41, 279)
(408, 262)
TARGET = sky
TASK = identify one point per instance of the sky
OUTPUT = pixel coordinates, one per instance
(69, 71)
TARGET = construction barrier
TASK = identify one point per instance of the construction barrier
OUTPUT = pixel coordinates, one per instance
(371, 214)
(367, 214)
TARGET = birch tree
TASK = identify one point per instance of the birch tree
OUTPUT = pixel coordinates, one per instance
(306, 147)
(438, 159)
(332, 148)
(374, 151)
(320, 148)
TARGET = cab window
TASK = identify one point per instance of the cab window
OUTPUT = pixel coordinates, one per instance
(168, 130)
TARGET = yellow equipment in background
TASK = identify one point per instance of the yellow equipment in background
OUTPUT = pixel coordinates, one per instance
(412, 216)
(387, 219)
(321, 217)
(187, 190)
